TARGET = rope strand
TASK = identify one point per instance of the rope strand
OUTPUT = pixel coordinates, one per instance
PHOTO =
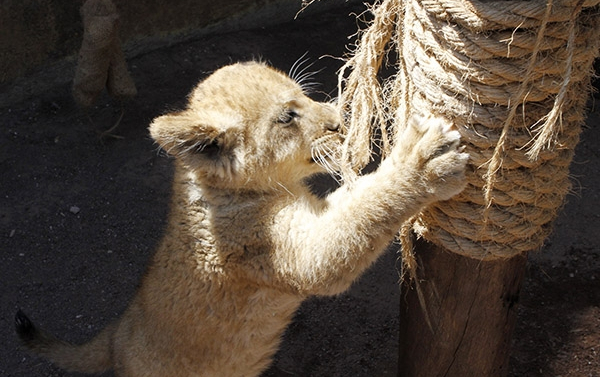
(512, 76)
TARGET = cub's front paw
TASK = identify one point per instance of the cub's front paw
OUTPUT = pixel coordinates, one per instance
(441, 158)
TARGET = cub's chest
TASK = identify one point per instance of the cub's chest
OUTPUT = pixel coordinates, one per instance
(243, 226)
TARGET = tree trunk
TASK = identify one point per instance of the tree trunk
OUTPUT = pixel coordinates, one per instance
(471, 308)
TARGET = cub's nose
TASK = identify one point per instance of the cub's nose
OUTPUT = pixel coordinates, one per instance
(334, 127)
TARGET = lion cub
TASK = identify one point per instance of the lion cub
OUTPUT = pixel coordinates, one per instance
(246, 241)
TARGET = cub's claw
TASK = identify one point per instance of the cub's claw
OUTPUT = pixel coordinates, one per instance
(443, 159)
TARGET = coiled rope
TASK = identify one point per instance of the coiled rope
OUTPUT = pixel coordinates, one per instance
(513, 76)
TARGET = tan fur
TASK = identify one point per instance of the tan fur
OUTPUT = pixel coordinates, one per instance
(246, 241)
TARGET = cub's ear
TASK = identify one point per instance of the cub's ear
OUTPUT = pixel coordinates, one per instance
(180, 134)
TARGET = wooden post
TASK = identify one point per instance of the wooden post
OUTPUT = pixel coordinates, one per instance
(472, 309)
(513, 79)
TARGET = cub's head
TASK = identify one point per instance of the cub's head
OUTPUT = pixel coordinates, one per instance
(250, 126)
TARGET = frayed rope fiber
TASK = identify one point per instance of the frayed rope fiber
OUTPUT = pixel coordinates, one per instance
(513, 76)
(101, 63)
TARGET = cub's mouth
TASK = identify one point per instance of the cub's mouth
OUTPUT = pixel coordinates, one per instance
(318, 158)
(314, 160)
(326, 152)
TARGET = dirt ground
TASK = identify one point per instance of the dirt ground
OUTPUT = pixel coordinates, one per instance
(79, 218)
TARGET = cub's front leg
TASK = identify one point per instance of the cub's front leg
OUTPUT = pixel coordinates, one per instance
(323, 252)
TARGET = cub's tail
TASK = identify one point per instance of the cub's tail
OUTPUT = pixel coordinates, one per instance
(91, 357)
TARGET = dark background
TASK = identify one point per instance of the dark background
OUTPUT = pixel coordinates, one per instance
(80, 215)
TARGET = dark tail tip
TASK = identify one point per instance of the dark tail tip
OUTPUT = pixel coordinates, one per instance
(25, 328)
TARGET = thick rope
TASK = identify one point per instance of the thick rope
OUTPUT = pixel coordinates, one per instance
(513, 76)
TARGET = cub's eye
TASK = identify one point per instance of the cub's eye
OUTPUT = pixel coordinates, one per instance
(287, 117)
